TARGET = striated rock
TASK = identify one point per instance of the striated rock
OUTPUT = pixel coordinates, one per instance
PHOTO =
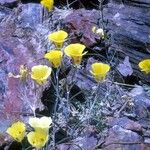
(13, 53)
(128, 140)
(82, 78)
(22, 37)
(142, 106)
(147, 140)
(79, 24)
(141, 102)
(126, 24)
(139, 3)
(125, 123)
(20, 44)
(4, 12)
(9, 3)
(145, 122)
(129, 27)
(87, 141)
(30, 15)
(146, 133)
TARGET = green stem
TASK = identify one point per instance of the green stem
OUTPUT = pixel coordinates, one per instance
(95, 99)
(56, 104)
(69, 87)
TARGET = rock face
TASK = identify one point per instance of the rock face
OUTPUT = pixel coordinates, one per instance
(79, 24)
(87, 141)
(139, 3)
(142, 106)
(120, 137)
(19, 44)
(9, 3)
(129, 27)
(125, 123)
(22, 33)
(30, 16)
(4, 12)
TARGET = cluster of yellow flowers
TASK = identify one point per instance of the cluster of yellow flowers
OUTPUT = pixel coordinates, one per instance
(40, 73)
(37, 138)
(75, 52)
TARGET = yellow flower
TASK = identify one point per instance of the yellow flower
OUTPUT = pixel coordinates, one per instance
(55, 57)
(75, 51)
(37, 138)
(144, 65)
(58, 37)
(48, 4)
(17, 131)
(42, 123)
(40, 73)
(99, 71)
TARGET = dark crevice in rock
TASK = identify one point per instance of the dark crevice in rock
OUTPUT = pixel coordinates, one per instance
(15, 146)
(77, 94)
(90, 4)
(141, 3)
(30, 1)
(48, 99)
(60, 135)
(132, 80)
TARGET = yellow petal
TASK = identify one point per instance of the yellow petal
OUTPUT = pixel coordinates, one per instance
(58, 37)
(144, 65)
(55, 57)
(40, 123)
(40, 73)
(37, 138)
(99, 71)
(77, 60)
(17, 131)
(48, 4)
(75, 51)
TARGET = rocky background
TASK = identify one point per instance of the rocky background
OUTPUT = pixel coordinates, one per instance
(24, 26)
